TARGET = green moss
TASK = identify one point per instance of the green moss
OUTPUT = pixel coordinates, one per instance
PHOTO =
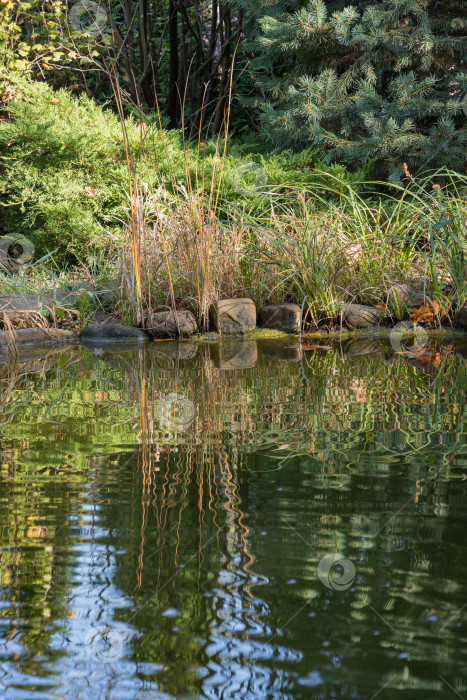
(336, 335)
(265, 333)
(205, 338)
(443, 332)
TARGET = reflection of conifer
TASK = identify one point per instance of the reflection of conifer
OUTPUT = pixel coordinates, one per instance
(381, 80)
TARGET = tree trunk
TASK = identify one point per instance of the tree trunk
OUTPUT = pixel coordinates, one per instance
(173, 100)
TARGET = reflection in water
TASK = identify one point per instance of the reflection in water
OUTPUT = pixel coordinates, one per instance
(164, 513)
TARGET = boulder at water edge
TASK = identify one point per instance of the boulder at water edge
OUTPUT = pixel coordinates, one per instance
(169, 324)
(30, 337)
(283, 317)
(233, 316)
(111, 333)
(358, 316)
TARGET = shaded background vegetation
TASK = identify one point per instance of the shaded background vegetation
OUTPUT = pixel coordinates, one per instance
(374, 81)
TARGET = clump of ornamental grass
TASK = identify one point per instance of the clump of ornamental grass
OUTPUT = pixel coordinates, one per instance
(316, 253)
(169, 218)
(324, 255)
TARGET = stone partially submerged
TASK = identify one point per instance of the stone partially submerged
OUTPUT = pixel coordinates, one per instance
(283, 317)
(111, 333)
(27, 337)
(233, 316)
(169, 324)
(358, 316)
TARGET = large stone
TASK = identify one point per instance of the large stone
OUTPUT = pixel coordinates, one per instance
(233, 316)
(25, 309)
(358, 316)
(109, 292)
(283, 317)
(418, 299)
(111, 333)
(24, 337)
(400, 293)
(169, 324)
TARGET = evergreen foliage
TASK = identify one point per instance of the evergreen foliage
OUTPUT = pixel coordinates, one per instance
(64, 175)
(383, 80)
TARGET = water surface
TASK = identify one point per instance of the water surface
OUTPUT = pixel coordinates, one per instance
(246, 520)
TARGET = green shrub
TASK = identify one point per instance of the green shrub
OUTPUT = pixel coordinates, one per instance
(64, 178)
(65, 171)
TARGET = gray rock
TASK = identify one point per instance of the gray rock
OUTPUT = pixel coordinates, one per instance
(169, 324)
(109, 292)
(358, 316)
(111, 333)
(35, 336)
(417, 300)
(26, 310)
(400, 293)
(233, 316)
(283, 317)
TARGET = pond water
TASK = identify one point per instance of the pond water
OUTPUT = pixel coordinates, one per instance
(245, 520)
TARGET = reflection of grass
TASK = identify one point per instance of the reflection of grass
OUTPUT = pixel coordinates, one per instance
(327, 404)
(330, 418)
(340, 410)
